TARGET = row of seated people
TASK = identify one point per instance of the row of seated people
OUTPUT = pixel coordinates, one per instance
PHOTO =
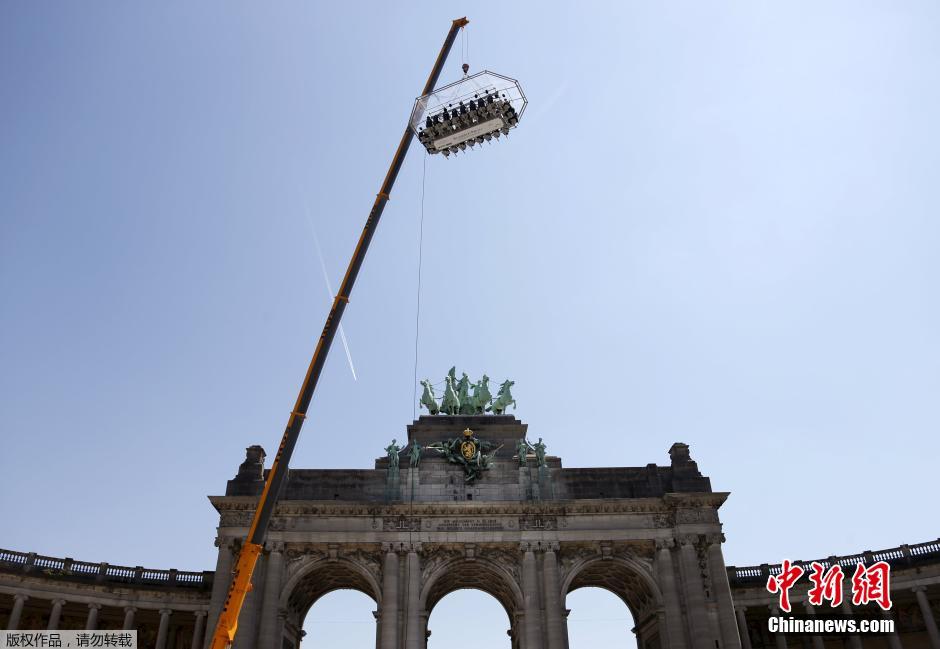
(465, 115)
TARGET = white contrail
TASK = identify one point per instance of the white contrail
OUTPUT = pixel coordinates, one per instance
(329, 291)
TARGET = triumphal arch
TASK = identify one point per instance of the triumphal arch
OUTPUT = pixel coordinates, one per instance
(469, 502)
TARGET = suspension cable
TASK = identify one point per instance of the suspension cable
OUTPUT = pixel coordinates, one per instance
(414, 396)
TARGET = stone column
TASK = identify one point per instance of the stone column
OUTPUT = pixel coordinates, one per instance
(128, 618)
(817, 640)
(220, 584)
(927, 613)
(530, 593)
(719, 577)
(163, 628)
(894, 640)
(56, 614)
(390, 599)
(666, 573)
(269, 631)
(779, 638)
(18, 601)
(695, 593)
(554, 618)
(855, 642)
(91, 622)
(198, 629)
(741, 612)
(414, 633)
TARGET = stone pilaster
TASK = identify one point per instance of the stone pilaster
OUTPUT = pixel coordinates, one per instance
(666, 572)
(390, 599)
(18, 601)
(163, 629)
(56, 614)
(269, 629)
(246, 636)
(927, 613)
(91, 622)
(221, 583)
(198, 629)
(555, 621)
(530, 593)
(695, 593)
(719, 577)
(741, 612)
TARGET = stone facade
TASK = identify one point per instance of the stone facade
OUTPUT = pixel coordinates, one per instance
(527, 535)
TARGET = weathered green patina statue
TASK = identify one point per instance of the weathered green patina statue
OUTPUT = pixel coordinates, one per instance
(428, 398)
(474, 455)
(523, 448)
(539, 447)
(481, 395)
(450, 404)
(503, 398)
(393, 450)
(463, 395)
(415, 454)
(458, 400)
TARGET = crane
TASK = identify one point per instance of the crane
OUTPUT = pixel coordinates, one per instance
(240, 585)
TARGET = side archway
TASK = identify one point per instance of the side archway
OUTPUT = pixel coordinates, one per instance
(317, 577)
(631, 581)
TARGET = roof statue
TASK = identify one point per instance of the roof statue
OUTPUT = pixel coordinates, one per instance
(459, 400)
(415, 455)
(393, 449)
(503, 398)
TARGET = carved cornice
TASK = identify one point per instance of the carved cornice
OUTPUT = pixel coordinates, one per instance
(664, 508)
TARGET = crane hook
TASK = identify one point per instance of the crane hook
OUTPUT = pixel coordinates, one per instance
(466, 68)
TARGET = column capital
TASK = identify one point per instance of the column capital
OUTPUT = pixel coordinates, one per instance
(166, 611)
(393, 548)
(715, 539)
(130, 609)
(199, 614)
(528, 546)
(919, 589)
(94, 605)
(20, 597)
(665, 544)
(687, 539)
(740, 608)
(274, 546)
(59, 601)
(552, 546)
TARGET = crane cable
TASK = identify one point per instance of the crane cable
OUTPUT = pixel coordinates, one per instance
(414, 396)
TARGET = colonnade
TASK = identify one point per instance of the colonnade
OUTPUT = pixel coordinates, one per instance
(92, 619)
(846, 608)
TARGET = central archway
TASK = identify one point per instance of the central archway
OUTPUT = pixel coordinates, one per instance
(486, 575)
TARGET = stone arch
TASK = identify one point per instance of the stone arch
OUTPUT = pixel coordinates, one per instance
(478, 573)
(320, 576)
(625, 577)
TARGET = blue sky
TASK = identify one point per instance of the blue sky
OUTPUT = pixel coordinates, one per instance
(715, 224)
